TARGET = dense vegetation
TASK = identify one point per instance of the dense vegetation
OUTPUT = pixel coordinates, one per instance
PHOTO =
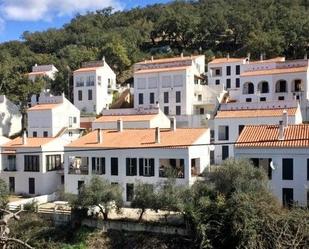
(211, 27)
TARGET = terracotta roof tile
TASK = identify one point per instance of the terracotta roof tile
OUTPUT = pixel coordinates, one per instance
(125, 118)
(166, 60)
(295, 136)
(245, 113)
(226, 60)
(86, 69)
(139, 138)
(41, 107)
(275, 71)
(159, 70)
(31, 142)
(276, 59)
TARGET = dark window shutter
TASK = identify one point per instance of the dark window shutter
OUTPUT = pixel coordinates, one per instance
(127, 166)
(103, 165)
(134, 161)
(93, 163)
(141, 166)
(151, 167)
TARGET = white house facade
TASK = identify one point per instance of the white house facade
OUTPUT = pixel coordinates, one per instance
(233, 117)
(10, 117)
(126, 157)
(176, 85)
(283, 151)
(94, 85)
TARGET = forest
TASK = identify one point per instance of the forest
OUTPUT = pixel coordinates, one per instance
(210, 27)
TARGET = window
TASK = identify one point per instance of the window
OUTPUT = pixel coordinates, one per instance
(130, 191)
(140, 99)
(237, 70)
(80, 95)
(45, 134)
(248, 100)
(248, 88)
(237, 82)
(89, 94)
(287, 169)
(31, 186)
(212, 157)
(287, 197)
(99, 80)
(114, 166)
(240, 128)
(146, 167)
(225, 152)
(228, 70)
(281, 98)
(178, 97)
(151, 98)
(262, 99)
(74, 120)
(90, 81)
(212, 135)
(131, 166)
(281, 86)
(98, 165)
(34, 134)
(166, 110)
(308, 169)
(263, 87)
(53, 162)
(70, 133)
(178, 110)
(217, 82)
(175, 167)
(199, 97)
(32, 163)
(228, 83)
(202, 111)
(80, 184)
(12, 184)
(165, 97)
(223, 132)
(217, 72)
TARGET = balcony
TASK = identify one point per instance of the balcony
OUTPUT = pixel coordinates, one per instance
(172, 167)
(78, 165)
(9, 168)
(79, 171)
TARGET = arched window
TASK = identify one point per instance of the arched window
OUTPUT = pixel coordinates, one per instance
(281, 86)
(263, 87)
(297, 85)
(248, 88)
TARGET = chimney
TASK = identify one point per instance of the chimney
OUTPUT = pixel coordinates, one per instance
(181, 55)
(285, 118)
(228, 56)
(151, 58)
(281, 130)
(24, 138)
(157, 135)
(306, 56)
(99, 136)
(261, 56)
(173, 123)
(119, 125)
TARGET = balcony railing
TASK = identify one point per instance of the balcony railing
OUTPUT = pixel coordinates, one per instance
(83, 170)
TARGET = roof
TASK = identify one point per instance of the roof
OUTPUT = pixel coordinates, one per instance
(125, 118)
(86, 69)
(248, 113)
(276, 59)
(275, 71)
(31, 142)
(172, 59)
(295, 136)
(139, 138)
(159, 70)
(226, 60)
(41, 107)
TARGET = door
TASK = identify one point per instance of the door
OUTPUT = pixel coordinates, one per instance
(225, 152)
(31, 186)
(287, 197)
(12, 184)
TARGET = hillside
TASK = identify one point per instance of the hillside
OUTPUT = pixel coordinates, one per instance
(211, 27)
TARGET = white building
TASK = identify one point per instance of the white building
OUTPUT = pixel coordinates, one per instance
(51, 116)
(283, 151)
(10, 117)
(131, 119)
(48, 71)
(127, 156)
(94, 85)
(270, 80)
(176, 84)
(233, 117)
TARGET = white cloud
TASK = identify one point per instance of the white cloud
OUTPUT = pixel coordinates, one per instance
(35, 10)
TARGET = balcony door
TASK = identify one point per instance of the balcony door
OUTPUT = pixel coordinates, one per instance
(31, 186)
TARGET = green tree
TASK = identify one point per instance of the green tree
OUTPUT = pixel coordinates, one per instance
(4, 194)
(101, 194)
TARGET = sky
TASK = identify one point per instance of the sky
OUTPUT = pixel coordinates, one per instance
(17, 16)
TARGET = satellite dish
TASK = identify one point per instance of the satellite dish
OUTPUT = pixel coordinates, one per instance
(211, 147)
(272, 165)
